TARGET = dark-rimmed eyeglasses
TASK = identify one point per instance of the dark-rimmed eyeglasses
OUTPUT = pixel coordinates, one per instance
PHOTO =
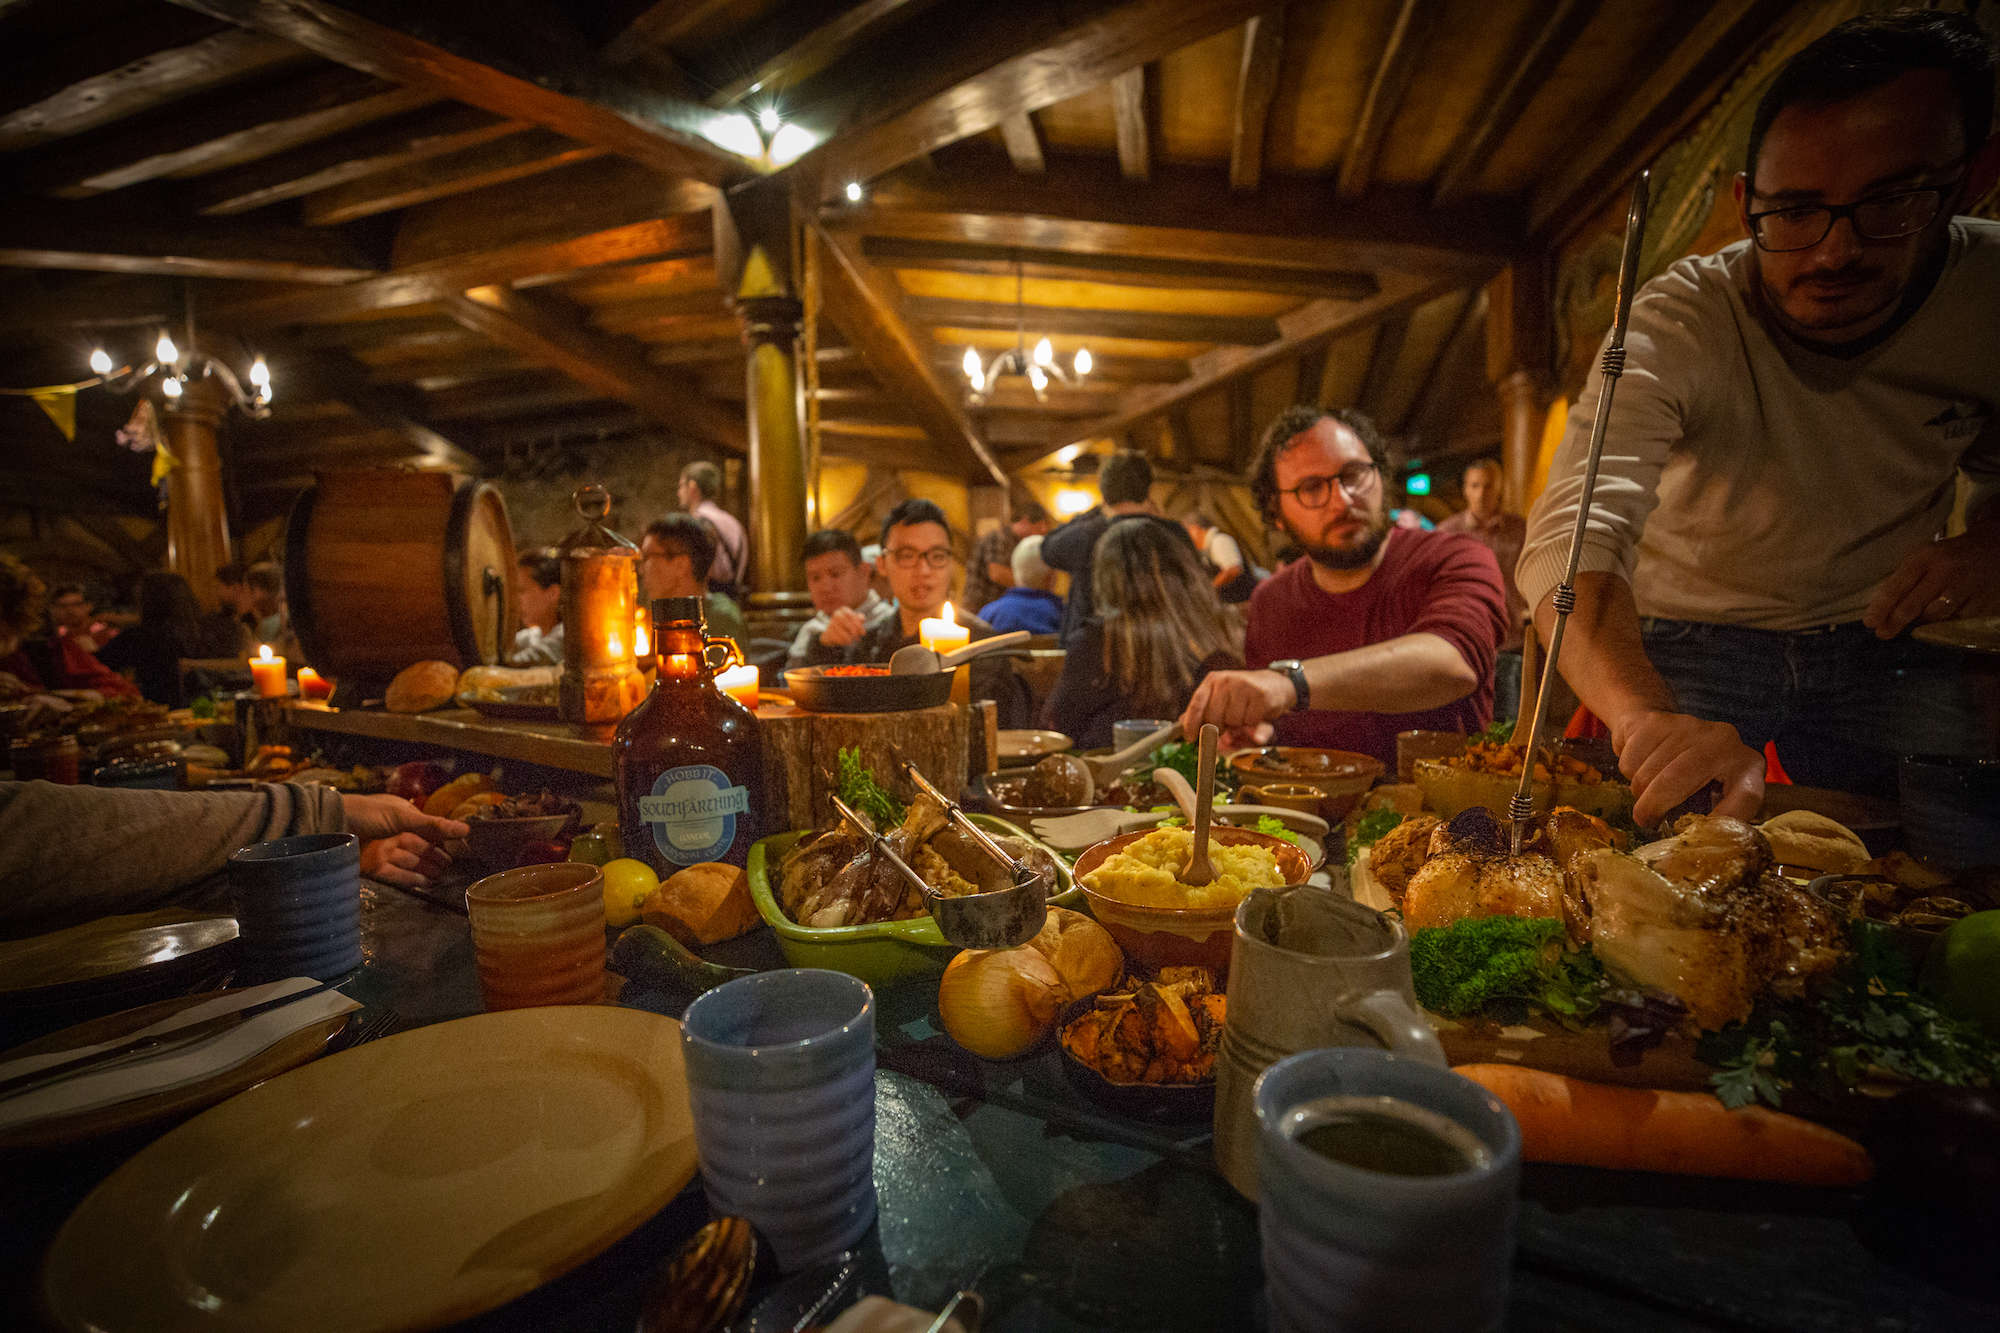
(1881, 217)
(1354, 481)
(906, 557)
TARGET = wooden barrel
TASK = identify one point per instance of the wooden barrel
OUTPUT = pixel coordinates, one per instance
(386, 567)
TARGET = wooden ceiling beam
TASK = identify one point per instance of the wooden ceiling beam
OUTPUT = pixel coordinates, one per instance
(1183, 213)
(346, 157)
(31, 305)
(1639, 123)
(515, 157)
(527, 393)
(1123, 270)
(1128, 116)
(1043, 319)
(917, 88)
(865, 307)
(1386, 90)
(1382, 365)
(215, 130)
(546, 328)
(1024, 143)
(122, 69)
(787, 47)
(133, 236)
(521, 62)
(1256, 85)
(652, 24)
(1526, 73)
(1104, 370)
(336, 377)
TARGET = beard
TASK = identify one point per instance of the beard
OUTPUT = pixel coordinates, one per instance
(1356, 554)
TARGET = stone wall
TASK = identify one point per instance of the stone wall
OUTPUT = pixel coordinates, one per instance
(641, 476)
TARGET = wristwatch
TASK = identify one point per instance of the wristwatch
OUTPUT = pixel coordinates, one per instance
(1294, 669)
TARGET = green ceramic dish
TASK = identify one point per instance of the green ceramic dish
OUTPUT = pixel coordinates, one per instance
(880, 954)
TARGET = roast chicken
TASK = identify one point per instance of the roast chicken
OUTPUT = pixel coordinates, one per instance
(1702, 915)
(1471, 873)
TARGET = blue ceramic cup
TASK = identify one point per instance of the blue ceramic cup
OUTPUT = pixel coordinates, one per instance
(1353, 1250)
(298, 906)
(781, 1076)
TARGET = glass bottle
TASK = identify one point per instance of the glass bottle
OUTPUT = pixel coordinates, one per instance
(688, 762)
(600, 604)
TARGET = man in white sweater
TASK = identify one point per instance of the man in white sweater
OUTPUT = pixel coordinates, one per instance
(1798, 415)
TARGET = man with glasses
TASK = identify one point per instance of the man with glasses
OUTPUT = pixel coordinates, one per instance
(1380, 628)
(675, 555)
(916, 556)
(1801, 416)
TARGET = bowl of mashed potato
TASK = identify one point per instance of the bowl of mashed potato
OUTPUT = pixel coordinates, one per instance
(1133, 887)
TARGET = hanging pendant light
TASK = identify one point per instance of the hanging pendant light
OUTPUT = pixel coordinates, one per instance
(1039, 369)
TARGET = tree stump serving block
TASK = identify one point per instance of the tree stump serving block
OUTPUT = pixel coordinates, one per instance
(802, 755)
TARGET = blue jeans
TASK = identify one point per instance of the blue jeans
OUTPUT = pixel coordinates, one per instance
(1841, 704)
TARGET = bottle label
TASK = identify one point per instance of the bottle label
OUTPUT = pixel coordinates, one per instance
(693, 812)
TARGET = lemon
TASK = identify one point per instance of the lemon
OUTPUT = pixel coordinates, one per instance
(1962, 966)
(627, 885)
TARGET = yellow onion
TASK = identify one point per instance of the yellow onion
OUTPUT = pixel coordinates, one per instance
(998, 1003)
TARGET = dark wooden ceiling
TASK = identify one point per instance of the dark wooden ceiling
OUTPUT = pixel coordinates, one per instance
(462, 228)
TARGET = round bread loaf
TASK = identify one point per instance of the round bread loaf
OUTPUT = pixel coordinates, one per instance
(1814, 842)
(422, 687)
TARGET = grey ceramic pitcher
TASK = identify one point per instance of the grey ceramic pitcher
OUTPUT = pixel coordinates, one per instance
(1309, 967)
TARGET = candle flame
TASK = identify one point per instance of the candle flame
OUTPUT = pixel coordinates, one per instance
(263, 652)
(614, 644)
(641, 644)
(947, 616)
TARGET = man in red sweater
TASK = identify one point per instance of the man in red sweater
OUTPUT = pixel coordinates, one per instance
(1380, 629)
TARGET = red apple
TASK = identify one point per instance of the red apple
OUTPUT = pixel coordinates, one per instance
(416, 780)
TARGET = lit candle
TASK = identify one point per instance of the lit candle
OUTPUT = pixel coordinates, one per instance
(614, 646)
(312, 685)
(739, 683)
(943, 634)
(267, 673)
(642, 642)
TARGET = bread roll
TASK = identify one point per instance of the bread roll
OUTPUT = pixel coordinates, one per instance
(1814, 842)
(703, 904)
(422, 687)
(473, 679)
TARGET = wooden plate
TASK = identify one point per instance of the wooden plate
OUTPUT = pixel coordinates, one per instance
(408, 1182)
(288, 1053)
(112, 952)
(530, 709)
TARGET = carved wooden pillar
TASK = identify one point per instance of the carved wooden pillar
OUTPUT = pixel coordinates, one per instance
(756, 249)
(197, 518)
(1520, 342)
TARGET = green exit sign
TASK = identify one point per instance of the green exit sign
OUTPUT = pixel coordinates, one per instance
(1418, 483)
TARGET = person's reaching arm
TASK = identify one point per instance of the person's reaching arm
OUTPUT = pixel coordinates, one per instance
(1957, 576)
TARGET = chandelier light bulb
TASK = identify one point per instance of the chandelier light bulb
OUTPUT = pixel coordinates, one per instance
(100, 361)
(971, 363)
(164, 350)
(171, 386)
(790, 143)
(1038, 377)
(1045, 353)
(854, 192)
(260, 373)
(1083, 361)
(768, 119)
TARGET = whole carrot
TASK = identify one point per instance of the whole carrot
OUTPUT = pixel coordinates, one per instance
(1684, 1133)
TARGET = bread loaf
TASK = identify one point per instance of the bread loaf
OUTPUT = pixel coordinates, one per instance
(1814, 842)
(703, 904)
(422, 687)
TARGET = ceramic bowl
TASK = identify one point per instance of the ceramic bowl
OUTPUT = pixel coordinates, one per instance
(1179, 936)
(1340, 776)
(1141, 1101)
(497, 843)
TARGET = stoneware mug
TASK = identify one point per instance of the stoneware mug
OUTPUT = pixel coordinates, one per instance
(298, 906)
(781, 1077)
(1308, 967)
(1351, 1250)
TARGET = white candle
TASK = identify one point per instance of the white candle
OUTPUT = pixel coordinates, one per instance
(943, 634)
(739, 683)
(267, 673)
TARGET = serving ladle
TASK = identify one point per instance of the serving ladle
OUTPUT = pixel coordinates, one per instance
(913, 659)
(1000, 919)
(1081, 777)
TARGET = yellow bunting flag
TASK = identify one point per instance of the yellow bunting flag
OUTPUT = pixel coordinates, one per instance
(163, 463)
(60, 404)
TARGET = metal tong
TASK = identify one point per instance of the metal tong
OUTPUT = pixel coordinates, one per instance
(997, 920)
(1521, 805)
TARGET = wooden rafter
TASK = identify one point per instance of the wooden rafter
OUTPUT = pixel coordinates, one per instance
(1385, 95)
(1024, 143)
(1151, 325)
(915, 89)
(865, 307)
(650, 24)
(797, 41)
(1125, 270)
(1256, 84)
(1382, 364)
(514, 157)
(346, 157)
(518, 62)
(1638, 125)
(1555, 31)
(1128, 114)
(552, 331)
(335, 376)
(119, 235)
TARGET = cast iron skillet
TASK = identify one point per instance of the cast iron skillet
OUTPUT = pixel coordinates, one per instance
(816, 692)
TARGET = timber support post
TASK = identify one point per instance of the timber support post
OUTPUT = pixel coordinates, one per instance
(1520, 343)
(197, 518)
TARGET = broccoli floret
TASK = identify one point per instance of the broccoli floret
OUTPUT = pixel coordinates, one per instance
(1461, 968)
(1369, 829)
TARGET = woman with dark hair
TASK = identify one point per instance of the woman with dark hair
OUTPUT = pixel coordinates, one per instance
(31, 661)
(1157, 630)
(171, 627)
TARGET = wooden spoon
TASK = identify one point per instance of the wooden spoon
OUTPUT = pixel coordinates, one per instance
(1199, 871)
(1084, 776)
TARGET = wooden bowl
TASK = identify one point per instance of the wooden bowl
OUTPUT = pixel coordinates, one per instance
(1180, 936)
(498, 843)
(1341, 776)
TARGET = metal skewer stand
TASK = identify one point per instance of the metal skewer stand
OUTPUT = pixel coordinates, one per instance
(1521, 805)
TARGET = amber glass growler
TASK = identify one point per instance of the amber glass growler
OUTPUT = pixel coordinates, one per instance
(687, 762)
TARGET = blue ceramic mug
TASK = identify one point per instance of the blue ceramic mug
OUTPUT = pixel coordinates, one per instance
(298, 906)
(781, 1077)
(1348, 1249)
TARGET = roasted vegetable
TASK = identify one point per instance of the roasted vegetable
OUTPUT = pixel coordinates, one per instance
(648, 956)
(1167, 1031)
(1372, 826)
(1462, 968)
